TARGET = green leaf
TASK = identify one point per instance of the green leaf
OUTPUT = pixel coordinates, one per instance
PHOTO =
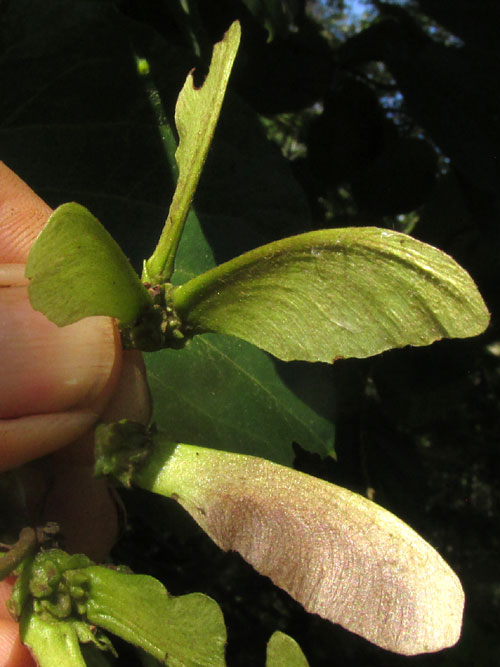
(335, 293)
(51, 642)
(225, 393)
(338, 554)
(77, 270)
(283, 651)
(188, 630)
(222, 392)
(196, 115)
(197, 110)
(71, 600)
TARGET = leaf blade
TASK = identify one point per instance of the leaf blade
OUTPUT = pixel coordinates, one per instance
(197, 109)
(189, 630)
(77, 270)
(51, 642)
(283, 651)
(221, 392)
(196, 115)
(322, 295)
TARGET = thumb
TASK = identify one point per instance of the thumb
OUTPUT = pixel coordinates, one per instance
(55, 381)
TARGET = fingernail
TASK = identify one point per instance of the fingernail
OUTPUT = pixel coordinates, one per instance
(12, 275)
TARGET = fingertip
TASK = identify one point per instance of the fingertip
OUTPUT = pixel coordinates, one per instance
(22, 216)
(12, 652)
(132, 397)
(5, 593)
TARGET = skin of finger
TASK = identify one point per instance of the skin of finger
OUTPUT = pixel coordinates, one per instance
(76, 497)
(46, 368)
(83, 506)
(12, 651)
(92, 527)
(89, 526)
(5, 591)
(131, 400)
(28, 438)
(22, 216)
(55, 381)
(62, 404)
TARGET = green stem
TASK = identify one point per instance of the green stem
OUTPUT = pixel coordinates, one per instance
(160, 266)
(167, 135)
(168, 141)
(162, 471)
(24, 547)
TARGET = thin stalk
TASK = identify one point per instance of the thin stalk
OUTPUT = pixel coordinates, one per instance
(160, 266)
(24, 547)
(166, 131)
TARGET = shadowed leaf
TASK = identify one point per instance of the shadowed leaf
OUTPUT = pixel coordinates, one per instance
(335, 293)
(338, 554)
(223, 393)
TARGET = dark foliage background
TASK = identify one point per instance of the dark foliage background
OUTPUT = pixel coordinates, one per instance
(339, 113)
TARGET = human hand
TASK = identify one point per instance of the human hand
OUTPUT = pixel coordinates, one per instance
(55, 385)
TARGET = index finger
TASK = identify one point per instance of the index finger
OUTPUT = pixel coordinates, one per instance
(22, 216)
